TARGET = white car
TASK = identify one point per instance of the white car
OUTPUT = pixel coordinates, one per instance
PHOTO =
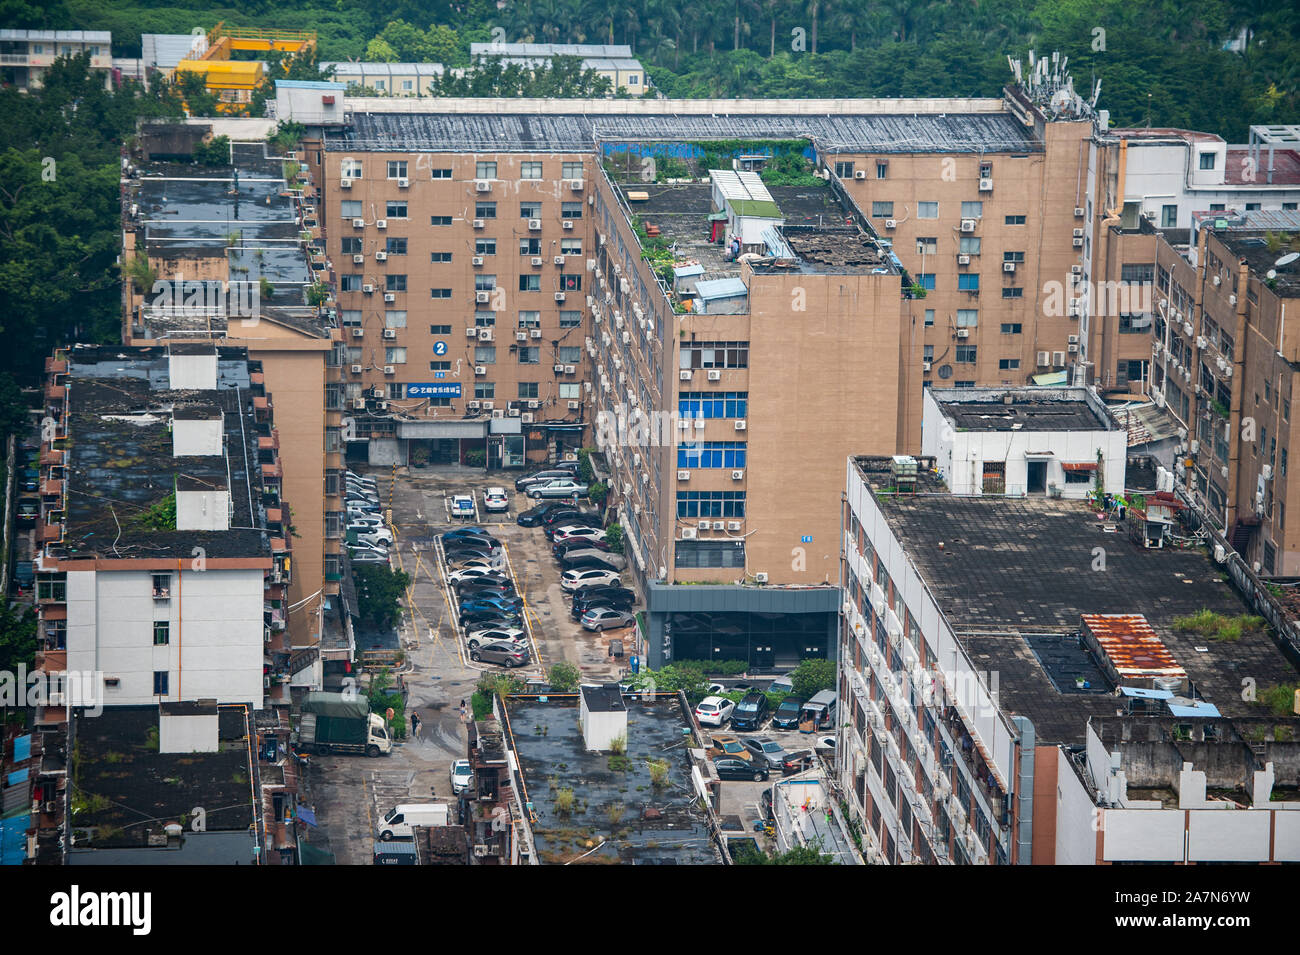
(462, 505)
(578, 532)
(588, 577)
(469, 573)
(376, 537)
(477, 638)
(714, 711)
(461, 776)
(495, 499)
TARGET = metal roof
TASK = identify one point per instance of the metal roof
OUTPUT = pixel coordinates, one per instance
(615, 51)
(165, 50)
(57, 36)
(721, 288)
(739, 185)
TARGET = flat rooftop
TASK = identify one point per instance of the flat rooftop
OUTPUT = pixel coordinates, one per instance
(615, 798)
(126, 788)
(1022, 409)
(1245, 161)
(1015, 576)
(1253, 247)
(502, 130)
(120, 460)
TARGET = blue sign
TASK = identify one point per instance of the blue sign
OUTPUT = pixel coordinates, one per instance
(430, 390)
(806, 539)
(440, 348)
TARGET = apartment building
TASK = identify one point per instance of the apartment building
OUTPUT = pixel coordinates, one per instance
(25, 55)
(984, 642)
(232, 256)
(388, 79)
(613, 61)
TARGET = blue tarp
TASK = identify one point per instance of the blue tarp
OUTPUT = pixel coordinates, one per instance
(18, 777)
(13, 839)
(22, 748)
(1199, 708)
(306, 815)
(1144, 694)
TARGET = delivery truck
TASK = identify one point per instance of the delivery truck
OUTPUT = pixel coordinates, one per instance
(335, 723)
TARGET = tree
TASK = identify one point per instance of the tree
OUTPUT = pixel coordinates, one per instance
(17, 637)
(379, 592)
(810, 677)
(614, 538)
(800, 855)
(564, 677)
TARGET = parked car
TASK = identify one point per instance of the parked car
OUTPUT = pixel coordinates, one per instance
(536, 514)
(606, 618)
(739, 769)
(28, 511)
(727, 747)
(782, 684)
(570, 466)
(479, 589)
(509, 655)
(366, 546)
(472, 573)
(366, 520)
(352, 475)
(767, 752)
(560, 548)
(572, 518)
(751, 713)
(498, 604)
(462, 506)
(797, 762)
(713, 711)
(495, 500)
(461, 776)
(541, 477)
(577, 532)
(591, 557)
(786, 716)
(473, 541)
(621, 600)
(369, 557)
(495, 635)
(562, 487)
(29, 479)
(825, 744)
(484, 618)
(588, 577)
(565, 513)
(374, 535)
(465, 550)
(466, 532)
(456, 562)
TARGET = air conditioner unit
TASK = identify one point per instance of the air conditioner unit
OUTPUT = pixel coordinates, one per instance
(719, 525)
(1008, 266)
(683, 475)
(573, 406)
(471, 333)
(1217, 281)
(1078, 212)
(558, 260)
(1266, 472)
(986, 185)
(963, 260)
(381, 256)
(559, 296)
(472, 405)
(1077, 242)
(1073, 339)
(715, 375)
(891, 223)
(535, 333)
(967, 225)
(359, 404)
(575, 185)
(403, 183)
(483, 297)
(479, 223)
(534, 403)
(381, 223)
(627, 338)
(738, 475)
(568, 223)
(1232, 299)
(740, 424)
(485, 334)
(925, 366)
(358, 259)
(705, 525)
(345, 184)
(1074, 311)
(368, 289)
(358, 333)
(514, 412)
(859, 174)
(684, 374)
(760, 578)
(699, 424)
(1058, 358)
(390, 333)
(487, 406)
(1078, 233)
(558, 369)
(570, 369)
(963, 333)
(526, 418)
(521, 336)
(480, 369)
(1202, 341)
(1072, 349)
(382, 405)
(733, 525)
(1076, 270)
(482, 185)
(390, 370)
(356, 369)
(358, 223)
(535, 260)
(1043, 359)
(688, 533)
(390, 297)
(476, 260)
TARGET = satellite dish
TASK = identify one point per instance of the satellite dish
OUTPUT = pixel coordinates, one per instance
(1287, 259)
(1271, 274)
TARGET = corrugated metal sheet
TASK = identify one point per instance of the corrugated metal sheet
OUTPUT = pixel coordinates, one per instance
(1132, 646)
(721, 288)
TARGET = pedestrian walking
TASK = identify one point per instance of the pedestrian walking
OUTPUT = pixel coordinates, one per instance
(464, 713)
(415, 722)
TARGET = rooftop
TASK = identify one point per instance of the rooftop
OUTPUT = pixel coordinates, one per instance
(616, 802)
(126, 789)
(1249, 240)
(1023, 409)
(1014, 578)
(1268, 166)
(613, 51)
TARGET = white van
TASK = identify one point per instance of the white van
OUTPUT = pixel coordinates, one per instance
(397, 824)
(820, 710)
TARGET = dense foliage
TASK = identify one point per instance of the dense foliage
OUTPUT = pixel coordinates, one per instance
(379, 593)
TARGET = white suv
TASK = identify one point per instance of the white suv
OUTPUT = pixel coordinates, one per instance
(588, 577)
(494, 499)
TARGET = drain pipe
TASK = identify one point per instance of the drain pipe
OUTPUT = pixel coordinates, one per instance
(1024, 829)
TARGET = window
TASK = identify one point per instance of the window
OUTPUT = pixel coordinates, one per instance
(715, 355)
(571, 246)
(882, 210)
(527, 389)
(1008, 364)
(530, 246)
(927, 210)
(1011, 328)
(485, 319)
(1168, 217)
(398, 247)
(573, 390)
(485, 283)
(972, 210)
(725, 404)
(350, 169)
(882, 170)
(440, 293)
(569, 354)
(706, 553)
(710, 504)
(485, 389)
(927, 245)
(712, 454)
(570, 319)
(1013, 292)
(394, 356)
(1207, 160)
(926, 281)
(395, 209)
(968, 317)
(406, 86)
(844, 170)
(350, 283)
(485, 246)
(439, 220)
(530, 210)
(570, 210)
(395, 283)
(968, 282)
(969, 245)
(439, 257)
(162, 585)
(530, 170)
(485, 354)
(1217, 207)
(571, 170)
(485, 170)
(1017, 257)
(570, 282)
(929, 317)
(159, 682)
(351, 245)
(439, 329)
(439, 173)
(350, 208)
(965, 355)
(395, 319)
(530, 283)
(485, 210)
(397, 169)
(1015, 220)
(927, 352)
(530, 319)
(530, 355)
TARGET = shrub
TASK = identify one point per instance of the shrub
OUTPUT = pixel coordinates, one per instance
(810, 677)
(614, 538)
(476, 458)
(658, 772)
(564, 677)
(564, 801)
